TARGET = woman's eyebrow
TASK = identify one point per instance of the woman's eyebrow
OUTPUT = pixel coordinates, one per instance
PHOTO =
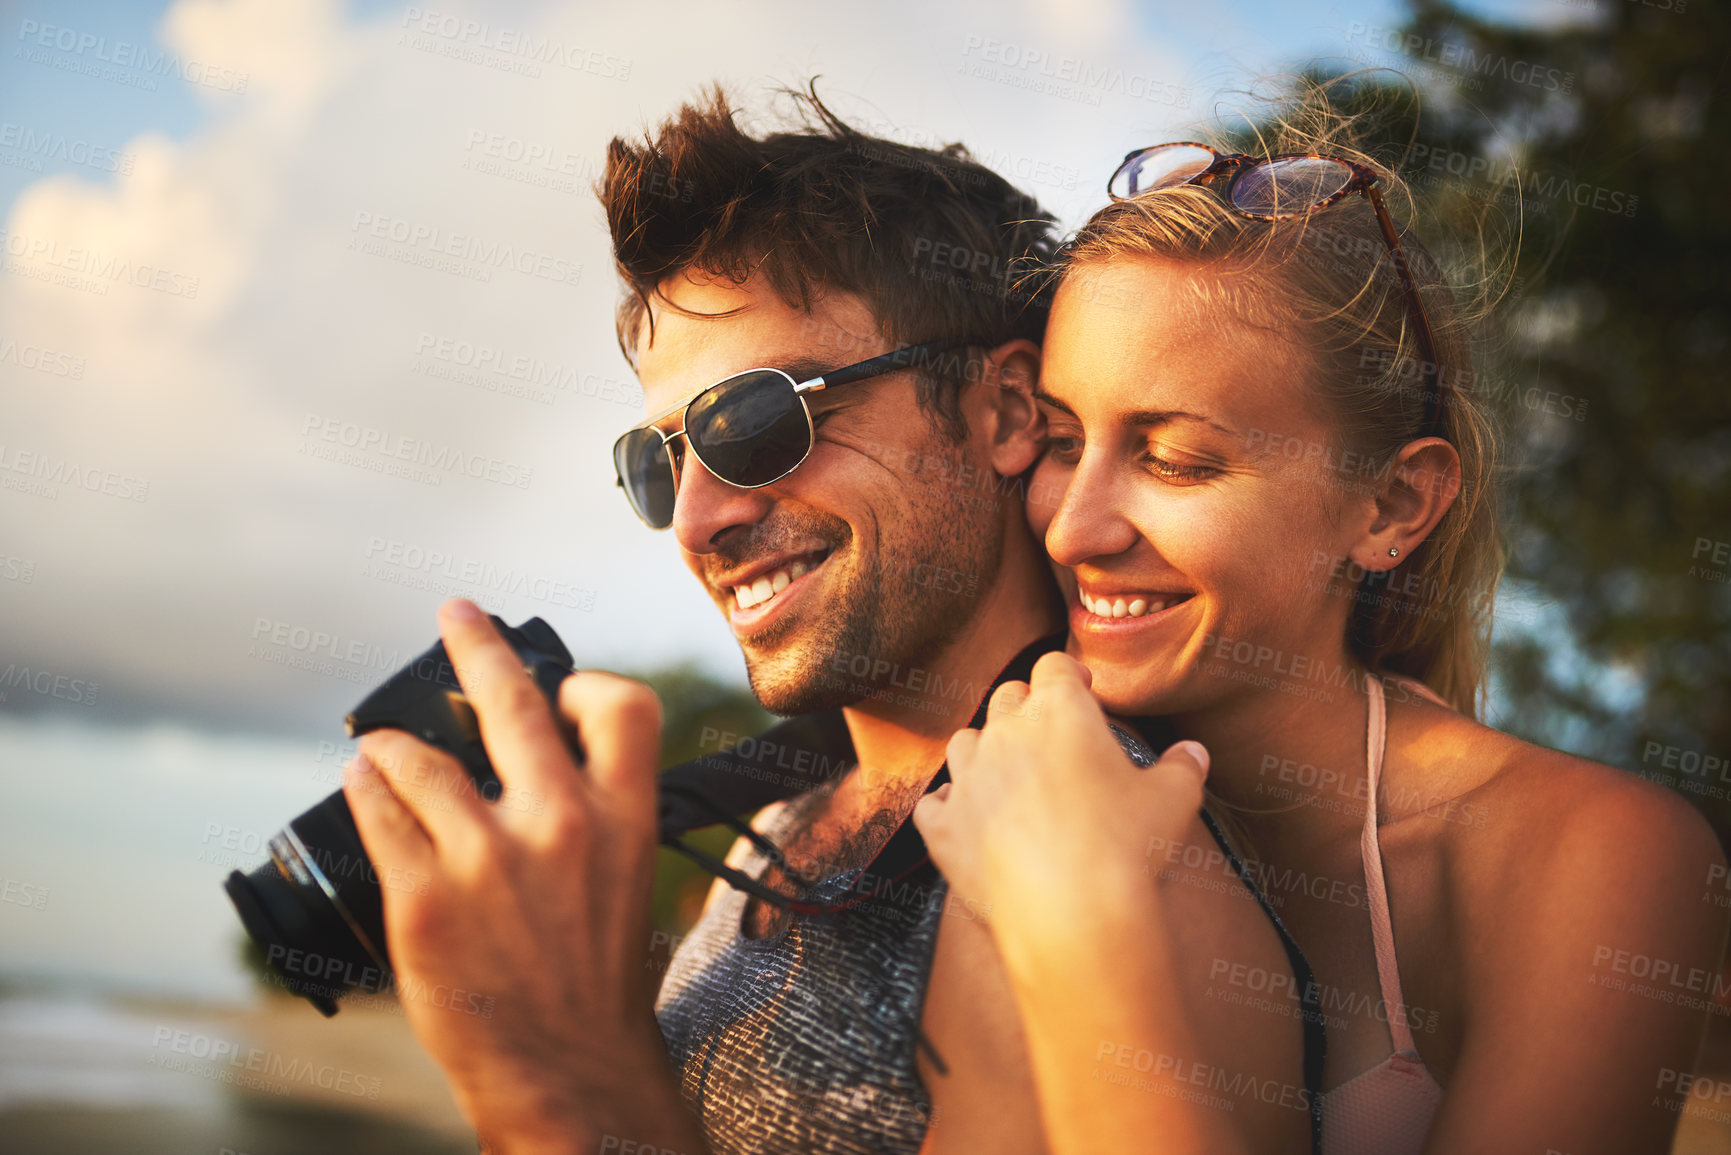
(1041, 395)
(1142, 418)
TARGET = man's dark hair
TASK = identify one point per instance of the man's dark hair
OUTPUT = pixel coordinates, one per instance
(933, 243)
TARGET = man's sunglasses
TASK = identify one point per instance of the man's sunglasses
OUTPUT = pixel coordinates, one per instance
(750, 430)
(1279, 188)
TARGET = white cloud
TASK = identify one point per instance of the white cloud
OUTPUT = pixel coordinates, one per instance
(268, 208)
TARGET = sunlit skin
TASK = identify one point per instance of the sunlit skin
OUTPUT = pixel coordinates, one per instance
(874, 507)
(572, 1052)
(1237, 524)
(568, 1053)
(1158, 480)
(870, 490)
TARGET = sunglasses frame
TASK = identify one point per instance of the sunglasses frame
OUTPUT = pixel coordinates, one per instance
(1364, 180)
(881, 365)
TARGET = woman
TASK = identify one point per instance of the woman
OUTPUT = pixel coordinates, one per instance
(1267, 496)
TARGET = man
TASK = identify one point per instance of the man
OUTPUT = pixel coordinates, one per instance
(876, 563)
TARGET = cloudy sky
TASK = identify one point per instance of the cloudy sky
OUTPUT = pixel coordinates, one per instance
(226, 322)
(234, 347)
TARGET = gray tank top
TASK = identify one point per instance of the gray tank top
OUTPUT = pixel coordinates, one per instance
(804, 1042)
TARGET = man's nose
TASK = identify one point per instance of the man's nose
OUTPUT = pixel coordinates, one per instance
(706, 507)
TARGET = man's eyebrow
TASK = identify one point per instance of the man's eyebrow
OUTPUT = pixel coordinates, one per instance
(1142, 418)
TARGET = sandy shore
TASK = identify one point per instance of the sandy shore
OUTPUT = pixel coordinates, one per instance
(88, 1075)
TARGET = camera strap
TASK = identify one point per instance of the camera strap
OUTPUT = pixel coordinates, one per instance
(789, 759)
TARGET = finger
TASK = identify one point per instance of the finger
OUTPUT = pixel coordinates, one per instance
(1007, 701)
(945, 834)
(961, 752)
(427, 782)
(618, 721)
(1182, 770)
(517, 726)
(389, 832)
(1059, 672)
(931, 819)
(1062, 684)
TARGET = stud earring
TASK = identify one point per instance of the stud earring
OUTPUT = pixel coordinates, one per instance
(1393, 552)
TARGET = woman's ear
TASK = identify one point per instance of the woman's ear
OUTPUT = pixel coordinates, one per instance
(1418, 489)
(1007, 416)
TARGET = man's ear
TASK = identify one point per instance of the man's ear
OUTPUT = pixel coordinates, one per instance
(1420, 487)
(1004, 412)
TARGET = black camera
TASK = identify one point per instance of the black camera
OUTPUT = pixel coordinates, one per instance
(316, 908)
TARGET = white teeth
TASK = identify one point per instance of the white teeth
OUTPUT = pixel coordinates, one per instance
(764, 588)
(1134, 607)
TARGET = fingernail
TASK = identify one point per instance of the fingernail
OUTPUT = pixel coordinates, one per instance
(1193, 748)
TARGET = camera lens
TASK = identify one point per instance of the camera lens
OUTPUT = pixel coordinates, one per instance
(316, 908)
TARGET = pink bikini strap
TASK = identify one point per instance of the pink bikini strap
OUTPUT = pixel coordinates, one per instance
(1418, 688)
(1376, 889)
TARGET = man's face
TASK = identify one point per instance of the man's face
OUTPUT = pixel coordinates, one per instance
(831, 569)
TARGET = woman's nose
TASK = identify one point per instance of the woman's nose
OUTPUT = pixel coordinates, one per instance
(1090, 521)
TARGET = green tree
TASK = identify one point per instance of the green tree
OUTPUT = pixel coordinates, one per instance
(1600, 143)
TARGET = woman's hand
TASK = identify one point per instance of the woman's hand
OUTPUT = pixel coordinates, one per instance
(1046, 820)
(1049, 824)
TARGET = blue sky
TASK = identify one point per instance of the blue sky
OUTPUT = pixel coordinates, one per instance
(254, 211)
(1258, 33)
(272, 314)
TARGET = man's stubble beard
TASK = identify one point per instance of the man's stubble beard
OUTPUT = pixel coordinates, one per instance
(883, 616)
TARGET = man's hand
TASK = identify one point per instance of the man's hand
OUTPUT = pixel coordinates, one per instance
(519, 962)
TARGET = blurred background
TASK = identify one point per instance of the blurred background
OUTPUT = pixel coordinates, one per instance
(250, 246)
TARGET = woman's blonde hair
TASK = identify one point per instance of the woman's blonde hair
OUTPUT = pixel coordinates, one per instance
(1327, 284)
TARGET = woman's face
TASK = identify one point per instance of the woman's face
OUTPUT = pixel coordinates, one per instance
(1188, 477)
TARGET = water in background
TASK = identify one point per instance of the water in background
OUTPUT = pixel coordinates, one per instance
(127, 1021)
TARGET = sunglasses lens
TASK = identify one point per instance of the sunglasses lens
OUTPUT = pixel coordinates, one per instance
(640, 458)
(1157, 168)
(750, 429)
(1288, 187)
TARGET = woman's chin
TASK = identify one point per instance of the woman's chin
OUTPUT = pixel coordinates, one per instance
(1129, 692)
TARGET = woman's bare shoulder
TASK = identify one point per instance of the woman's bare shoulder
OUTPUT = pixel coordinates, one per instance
(1555, 831)
(1538, 796)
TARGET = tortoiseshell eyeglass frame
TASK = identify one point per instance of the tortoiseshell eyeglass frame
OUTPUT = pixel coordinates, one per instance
(1363, 180)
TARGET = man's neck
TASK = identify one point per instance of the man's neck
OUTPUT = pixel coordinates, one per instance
(899, 735)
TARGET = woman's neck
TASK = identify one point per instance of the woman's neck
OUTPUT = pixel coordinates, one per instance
(1277, 750)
